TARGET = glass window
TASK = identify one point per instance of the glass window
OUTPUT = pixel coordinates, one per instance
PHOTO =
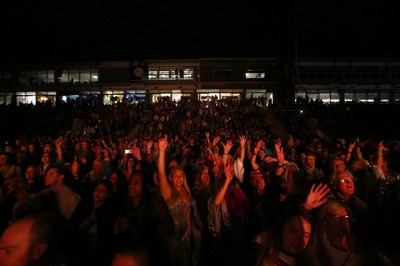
(335, 98)
(371, 97)
(74, 76)
(313, 95)
(165, 74)
(85, 77)
(325, 97)
(188, 73)
(384, 97)
(46, 97)
(255, 74)
(348, 97)
(300, 95)
(223, 73)
(95, 75)
(153, 74)
(361, 97)
(42, 77)
(26, 98)
(397, 97)
(68, 98)
(2, 98)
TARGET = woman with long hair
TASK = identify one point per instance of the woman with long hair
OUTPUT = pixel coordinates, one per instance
(292, 240)
(175, 190)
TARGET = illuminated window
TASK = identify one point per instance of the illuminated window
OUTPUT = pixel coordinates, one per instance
(255, 74)
(79, 76)
(26, 98)
(153, 74)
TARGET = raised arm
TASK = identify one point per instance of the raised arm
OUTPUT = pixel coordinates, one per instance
(229, 175)
(350, 151)
(281, 158)
(227, 147)
(149, 154)
(165, 188)
(59, 149)
(242, 141)
(379, 155)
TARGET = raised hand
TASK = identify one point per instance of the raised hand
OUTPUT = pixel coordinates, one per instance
(229, 174)
(216, 140)
(242, 141)
(150, 144)
(228, 146)
(279, 152)
(317, 196)
(381, 147)
(136, 152)
(163, 143)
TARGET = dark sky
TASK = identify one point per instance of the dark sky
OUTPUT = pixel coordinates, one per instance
(45, 30)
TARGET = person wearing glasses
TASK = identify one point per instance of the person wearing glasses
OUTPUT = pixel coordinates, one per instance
(343, 188)
(339, 245)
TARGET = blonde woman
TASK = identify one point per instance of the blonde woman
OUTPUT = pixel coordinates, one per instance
(175, 190)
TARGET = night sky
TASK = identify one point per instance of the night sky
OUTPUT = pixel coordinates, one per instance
(46, 30)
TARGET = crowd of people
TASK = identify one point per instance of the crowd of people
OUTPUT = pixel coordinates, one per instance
(192, 184)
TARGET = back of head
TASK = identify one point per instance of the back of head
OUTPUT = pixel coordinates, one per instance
(47, 231)
(360, 167)
(131, 256)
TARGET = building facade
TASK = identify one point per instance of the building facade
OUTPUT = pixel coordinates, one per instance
(110, 82)
(348, 80)
(144, 80)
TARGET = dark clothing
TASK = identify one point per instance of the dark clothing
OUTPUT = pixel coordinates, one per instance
(149, 223)
(94, 228)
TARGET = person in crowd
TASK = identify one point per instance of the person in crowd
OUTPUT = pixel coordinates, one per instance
(238, 159)
(108, 162)
(310, 173)
(145, 218)
(85, 156)
(291, 242)
(48, 159)
(366, 179)
(260, 183)
(32, 155)
(260, 159)
(229, 211)
(354, 145)
(8, 168)
(129, 165)
(137, 255)
(16, 190)
(33, 179)
(83, 184)
(93, 221)
(339, 245)
(36, 239)
(120, 186)
(58, 197)
(343, 188)
(175, 191)
(384, 188)
(202, 191)
(336, 164)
